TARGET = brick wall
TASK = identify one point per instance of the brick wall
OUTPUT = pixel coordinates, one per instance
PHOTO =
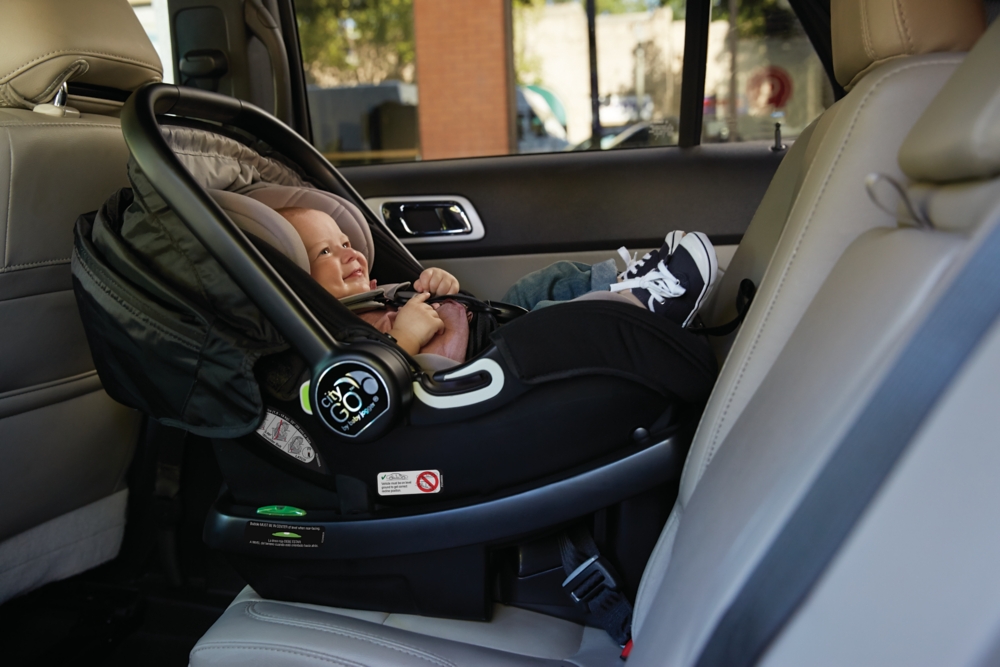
(463, 75)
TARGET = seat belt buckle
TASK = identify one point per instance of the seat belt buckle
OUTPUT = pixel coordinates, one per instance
(590, 579)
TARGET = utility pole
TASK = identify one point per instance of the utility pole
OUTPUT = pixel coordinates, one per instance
(595, 96)
(732, 106)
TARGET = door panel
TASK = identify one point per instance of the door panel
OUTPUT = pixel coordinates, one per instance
(574, 202)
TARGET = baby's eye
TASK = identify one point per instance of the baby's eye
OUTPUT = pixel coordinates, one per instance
(347, 244)
(324, 251)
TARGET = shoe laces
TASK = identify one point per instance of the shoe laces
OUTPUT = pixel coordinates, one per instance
(630, 261)
(659, 282)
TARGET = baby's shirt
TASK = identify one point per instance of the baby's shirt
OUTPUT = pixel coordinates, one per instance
(450, 342)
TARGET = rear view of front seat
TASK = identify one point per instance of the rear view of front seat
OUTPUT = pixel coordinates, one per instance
(65, 445)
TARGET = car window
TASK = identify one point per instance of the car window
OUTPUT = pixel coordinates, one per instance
(390, 81)
(152, 14)
(762, 70)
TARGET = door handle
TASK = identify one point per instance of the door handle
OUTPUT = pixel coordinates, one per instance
(411, 219)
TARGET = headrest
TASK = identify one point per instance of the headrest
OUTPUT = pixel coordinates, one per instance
(345, 214)
(867, 33)
(48, 42)
(264, 223)
(958, 137)
(254, 211)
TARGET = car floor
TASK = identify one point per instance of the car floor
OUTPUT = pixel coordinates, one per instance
(152, 603)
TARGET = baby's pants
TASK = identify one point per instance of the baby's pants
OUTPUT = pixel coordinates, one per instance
(560, 282)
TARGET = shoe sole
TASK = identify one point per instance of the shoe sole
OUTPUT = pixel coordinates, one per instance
(703, 253)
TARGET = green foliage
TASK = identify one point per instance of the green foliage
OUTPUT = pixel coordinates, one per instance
(759, 18)
(356, 41)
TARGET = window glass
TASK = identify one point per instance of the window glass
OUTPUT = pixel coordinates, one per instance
(762, 70)
(639, 49)
(393, 80)
(152, 14)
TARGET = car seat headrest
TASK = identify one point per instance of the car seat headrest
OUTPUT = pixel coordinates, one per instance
(264, 223)
(866, 33)
(345, 214)
(48, 42)
(254, 211)
(958, 137)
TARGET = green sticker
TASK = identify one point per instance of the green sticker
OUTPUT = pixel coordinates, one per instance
(294, 536)
(304, 398)
(280, 510)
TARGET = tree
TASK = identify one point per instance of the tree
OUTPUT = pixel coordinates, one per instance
(356, 41)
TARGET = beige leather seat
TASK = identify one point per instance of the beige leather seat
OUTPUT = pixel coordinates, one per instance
(793, 374)
(65, 445)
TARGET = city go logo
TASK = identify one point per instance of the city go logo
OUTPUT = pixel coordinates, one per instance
(351, 397)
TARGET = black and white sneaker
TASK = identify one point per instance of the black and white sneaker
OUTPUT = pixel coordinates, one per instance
(676, 284)
(636, 267)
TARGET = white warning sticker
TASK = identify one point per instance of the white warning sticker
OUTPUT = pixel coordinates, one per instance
(286, 435)
(409, 482)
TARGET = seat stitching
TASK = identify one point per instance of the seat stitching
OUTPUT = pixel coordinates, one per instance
(17, 123)
(350, 634)
(10, 195)
(805, 228)
(866, 41)
(275, 649)
(900, 14)
(28, 265)
(116, 56)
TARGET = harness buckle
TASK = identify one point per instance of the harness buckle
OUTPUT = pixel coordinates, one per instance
(590, 579)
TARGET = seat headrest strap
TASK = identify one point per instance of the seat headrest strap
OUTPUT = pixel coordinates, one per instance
(46, 42)
(958, 136)
(867, 33)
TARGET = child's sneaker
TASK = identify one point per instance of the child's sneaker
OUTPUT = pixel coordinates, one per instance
(635, 267)
(676, 284)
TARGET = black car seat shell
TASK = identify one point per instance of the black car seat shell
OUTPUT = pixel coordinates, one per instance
(66, 444)
(913, 585)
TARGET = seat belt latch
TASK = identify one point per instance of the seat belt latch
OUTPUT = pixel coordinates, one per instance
(590, 579)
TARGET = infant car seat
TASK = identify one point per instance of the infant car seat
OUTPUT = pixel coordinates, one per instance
(357, 477)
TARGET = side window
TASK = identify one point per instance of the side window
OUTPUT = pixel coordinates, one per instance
(152, 14)
(400, 80)
(639, 49)
(762, 70)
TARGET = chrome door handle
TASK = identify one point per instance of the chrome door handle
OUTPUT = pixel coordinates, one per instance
(426, 218)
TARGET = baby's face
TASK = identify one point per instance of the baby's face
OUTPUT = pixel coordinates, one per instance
(333, 263)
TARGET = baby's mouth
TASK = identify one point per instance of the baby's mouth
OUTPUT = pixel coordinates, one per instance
(357, 273)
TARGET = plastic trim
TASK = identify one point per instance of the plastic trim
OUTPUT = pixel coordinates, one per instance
(478, 230)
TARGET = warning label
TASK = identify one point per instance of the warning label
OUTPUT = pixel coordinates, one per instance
(280, 431)
(286, 535)
(408, 482)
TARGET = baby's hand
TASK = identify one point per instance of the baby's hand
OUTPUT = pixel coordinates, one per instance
(436, 281)
(416, 323)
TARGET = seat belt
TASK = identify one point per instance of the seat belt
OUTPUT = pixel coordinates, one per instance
(594, 585)
(859, 465)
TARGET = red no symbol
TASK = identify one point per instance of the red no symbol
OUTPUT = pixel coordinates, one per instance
(428, 482)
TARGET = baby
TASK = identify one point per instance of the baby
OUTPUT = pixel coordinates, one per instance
(671, 281)
(343, 272)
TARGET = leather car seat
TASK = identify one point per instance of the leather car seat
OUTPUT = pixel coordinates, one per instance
(65, 444)
(893, 57)
(798, 387)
